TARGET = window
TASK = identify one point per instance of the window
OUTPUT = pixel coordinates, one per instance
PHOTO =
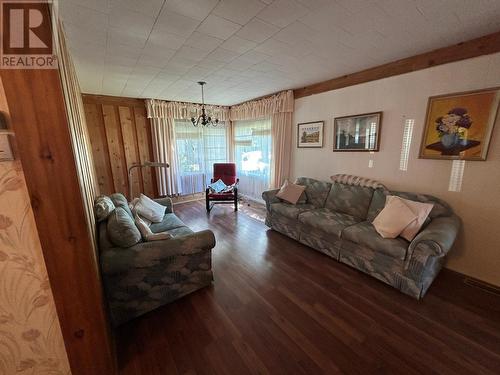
(252, 152)
(198, 148)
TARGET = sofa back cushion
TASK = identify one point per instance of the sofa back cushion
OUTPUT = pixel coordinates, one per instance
(440, 208)
(350, 199)
(316, 191)
(121, 229)
(119, 200)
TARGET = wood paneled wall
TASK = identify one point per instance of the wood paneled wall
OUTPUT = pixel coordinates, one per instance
(120, 135)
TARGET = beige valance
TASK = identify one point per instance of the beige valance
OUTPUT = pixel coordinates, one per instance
(180, 110)
(265, 107)
(281, 102)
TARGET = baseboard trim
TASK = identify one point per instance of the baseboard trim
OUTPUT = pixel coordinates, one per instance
(476, 283)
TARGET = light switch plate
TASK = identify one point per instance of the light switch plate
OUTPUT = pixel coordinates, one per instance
(5, 148)
(370, 163)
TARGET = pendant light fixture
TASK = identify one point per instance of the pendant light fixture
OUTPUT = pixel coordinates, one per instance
(204, 119)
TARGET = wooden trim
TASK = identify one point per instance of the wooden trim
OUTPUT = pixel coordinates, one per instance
(38, 115)
(484, 45)
(113, 100)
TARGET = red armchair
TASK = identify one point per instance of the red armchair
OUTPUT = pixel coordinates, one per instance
(227, 173)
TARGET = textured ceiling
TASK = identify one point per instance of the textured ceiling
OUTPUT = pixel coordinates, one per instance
(249, 48)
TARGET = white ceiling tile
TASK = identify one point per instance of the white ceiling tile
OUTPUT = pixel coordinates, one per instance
(283, 12)
(191, 53)
(239, 11)
(203, 42)
(160, 38)
(149, 8)
(174, 23)
(257, 31)
(238, 44)
(197, 9)
(221, 54)
(126, 37)
(132, 22)
(218, 27)
(254, 56)
(84, 18)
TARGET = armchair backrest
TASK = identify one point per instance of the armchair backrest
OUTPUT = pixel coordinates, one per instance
(226, 172)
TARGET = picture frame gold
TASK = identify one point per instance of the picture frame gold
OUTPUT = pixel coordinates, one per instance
(458, 126)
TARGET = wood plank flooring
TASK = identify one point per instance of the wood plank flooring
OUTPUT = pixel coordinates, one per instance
(278, 307)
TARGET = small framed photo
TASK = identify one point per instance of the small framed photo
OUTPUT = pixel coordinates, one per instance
(310, 134)
(358, 132)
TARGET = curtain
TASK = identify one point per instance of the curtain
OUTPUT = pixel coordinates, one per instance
(282, 147)
(197, 149)
(163, 135)
(253, 156)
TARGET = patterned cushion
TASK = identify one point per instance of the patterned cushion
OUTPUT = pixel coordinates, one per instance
(328, 221)
(316, 191)
(364, 234)
(350, 199)
(289, 210)
(349, 179)
(440, 208)
(103, 206)
(121, 229)
(170, 221)
(119, 200)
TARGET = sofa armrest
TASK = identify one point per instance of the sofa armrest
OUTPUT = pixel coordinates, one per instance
(269, 197)
(438, 236)
(147, 254)
(167, 202)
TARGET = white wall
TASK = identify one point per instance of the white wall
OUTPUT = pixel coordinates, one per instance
(477, 251)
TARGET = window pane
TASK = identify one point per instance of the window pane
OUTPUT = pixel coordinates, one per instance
(198, 148)
(252, 148)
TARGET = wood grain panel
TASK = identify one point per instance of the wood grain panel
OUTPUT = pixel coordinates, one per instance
(53, 151)
(120, 137)
(485, 45)
(116, 153)
(100, 152)
(143, 145)
(130, 147)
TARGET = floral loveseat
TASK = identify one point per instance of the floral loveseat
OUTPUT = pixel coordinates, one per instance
(147, 275)
(336, 219)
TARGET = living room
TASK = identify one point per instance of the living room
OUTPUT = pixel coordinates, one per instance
(250, 186)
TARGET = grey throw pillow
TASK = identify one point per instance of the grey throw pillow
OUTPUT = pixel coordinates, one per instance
(103, 206)
(122, 230)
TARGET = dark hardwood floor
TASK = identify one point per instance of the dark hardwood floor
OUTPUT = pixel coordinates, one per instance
(278, 307)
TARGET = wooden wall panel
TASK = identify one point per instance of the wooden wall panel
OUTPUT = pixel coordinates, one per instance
(121, 137)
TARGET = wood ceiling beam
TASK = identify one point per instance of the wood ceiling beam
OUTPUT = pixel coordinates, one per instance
(484, 45)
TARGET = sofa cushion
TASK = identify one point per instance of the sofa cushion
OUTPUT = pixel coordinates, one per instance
(440, 208)
(364, 234)
(350, 199)
(328, 221)
(103, 206)
(121, 229)
(119, 200)
(170, 221)
(289, 210)
(291, 193)
(316, 191)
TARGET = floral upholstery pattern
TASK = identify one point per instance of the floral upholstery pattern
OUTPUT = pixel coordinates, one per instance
(147, 275)
(289, 210)
(328, 221)
(316, 191)
(350, 199)
(365, 235)
(339, 225)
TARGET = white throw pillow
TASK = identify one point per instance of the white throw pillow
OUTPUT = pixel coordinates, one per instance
(422, 210)
(149, 209)
(290, 192)
(147, 234)
(395, 217)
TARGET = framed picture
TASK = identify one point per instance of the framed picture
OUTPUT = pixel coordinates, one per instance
(459, 125)
(310, 134)
(357, 133)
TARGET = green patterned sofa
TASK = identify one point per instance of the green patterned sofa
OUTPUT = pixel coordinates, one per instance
(336, 220)
(142, 277)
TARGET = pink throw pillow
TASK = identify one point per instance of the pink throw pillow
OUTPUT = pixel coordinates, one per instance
(290, 192)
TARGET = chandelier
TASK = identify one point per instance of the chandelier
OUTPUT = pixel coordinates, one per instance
(203, 119)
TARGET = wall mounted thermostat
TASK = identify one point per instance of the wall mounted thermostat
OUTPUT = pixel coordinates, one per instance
(5, 148)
